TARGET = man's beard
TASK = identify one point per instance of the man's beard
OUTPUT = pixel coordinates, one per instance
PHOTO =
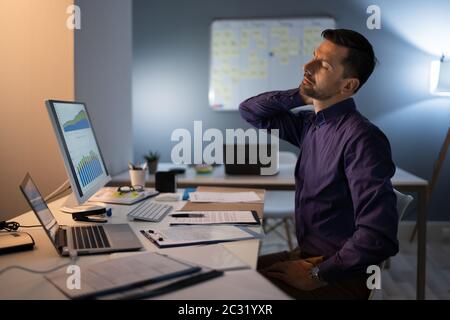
(314, 94)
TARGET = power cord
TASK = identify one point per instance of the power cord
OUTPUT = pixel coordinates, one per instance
(60, 190)
(73, 258)
(14, 226)
(35, 271)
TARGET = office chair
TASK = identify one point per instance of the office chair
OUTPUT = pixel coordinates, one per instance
(280, 205)
(403, 201)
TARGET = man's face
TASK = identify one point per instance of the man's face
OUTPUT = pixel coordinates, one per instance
(324, 74)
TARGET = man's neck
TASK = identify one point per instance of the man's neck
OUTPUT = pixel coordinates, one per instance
(320, 105)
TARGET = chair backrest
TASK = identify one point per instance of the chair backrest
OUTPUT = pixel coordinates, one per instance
(403, 201)
(287, 157)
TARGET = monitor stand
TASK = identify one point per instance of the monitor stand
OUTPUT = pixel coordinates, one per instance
(71, 206)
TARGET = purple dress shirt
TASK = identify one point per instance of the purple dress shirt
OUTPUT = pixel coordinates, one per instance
(345, 206)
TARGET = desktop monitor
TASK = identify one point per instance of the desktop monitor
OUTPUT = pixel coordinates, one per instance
(79, 148)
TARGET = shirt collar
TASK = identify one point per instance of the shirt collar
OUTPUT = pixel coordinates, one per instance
(335, 110)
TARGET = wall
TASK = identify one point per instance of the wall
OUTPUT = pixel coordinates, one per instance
(36, 56)
(171, 71)
(103, 66)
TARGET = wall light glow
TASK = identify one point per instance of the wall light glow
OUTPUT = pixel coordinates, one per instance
(440, 78)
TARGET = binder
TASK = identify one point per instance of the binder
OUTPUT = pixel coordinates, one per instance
(167, 286)
(126, 274)
(195, 235)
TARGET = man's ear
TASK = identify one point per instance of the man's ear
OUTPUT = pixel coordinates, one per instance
(350, 85)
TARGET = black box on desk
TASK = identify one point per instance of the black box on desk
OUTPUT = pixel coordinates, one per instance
(166, 181)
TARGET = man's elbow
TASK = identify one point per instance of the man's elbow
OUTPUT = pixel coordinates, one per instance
(244, 111)
(243, 106)
(394, 249)
(390, 249)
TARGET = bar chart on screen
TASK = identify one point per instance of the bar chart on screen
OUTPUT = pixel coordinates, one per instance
(89, 168)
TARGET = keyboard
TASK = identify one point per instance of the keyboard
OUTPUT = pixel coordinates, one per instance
(90, 237)
(150, 211)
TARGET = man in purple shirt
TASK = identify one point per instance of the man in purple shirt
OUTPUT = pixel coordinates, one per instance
(345, 207)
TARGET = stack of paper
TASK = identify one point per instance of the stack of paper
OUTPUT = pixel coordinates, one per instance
(223, 197)
(214, 256)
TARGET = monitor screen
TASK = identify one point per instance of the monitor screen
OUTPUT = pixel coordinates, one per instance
(78, 144)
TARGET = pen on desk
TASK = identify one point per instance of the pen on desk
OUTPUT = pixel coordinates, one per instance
(187, 215)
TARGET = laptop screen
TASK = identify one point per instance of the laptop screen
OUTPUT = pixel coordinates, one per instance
(39, 206)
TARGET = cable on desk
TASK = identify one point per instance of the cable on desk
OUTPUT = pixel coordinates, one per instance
(73, 256)
(14, 226)
(60, 190)
(34, 271)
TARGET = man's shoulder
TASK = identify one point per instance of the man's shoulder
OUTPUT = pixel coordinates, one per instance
(361, 126)
(362, 131)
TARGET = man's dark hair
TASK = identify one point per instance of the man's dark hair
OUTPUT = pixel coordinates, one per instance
(360, 60)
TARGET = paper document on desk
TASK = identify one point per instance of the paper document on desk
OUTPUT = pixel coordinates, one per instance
(214, 256)
(111, 195)
(224, 197)
(215, 217)
(121, 274)
(192, 235)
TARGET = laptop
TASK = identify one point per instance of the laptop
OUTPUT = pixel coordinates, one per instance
(246, 168)
(89, 239)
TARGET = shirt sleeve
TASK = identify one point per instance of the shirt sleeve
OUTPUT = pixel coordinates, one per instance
(368, 168)
(272, 110)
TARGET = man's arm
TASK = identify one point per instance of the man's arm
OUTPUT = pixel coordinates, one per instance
(369, 168)
(271, 110)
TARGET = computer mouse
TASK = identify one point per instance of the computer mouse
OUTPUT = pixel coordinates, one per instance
(168, 197)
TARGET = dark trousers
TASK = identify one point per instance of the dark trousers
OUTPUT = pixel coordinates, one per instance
(354, 288)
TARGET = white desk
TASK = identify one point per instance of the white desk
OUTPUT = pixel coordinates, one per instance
(284, 180)
(17, 284)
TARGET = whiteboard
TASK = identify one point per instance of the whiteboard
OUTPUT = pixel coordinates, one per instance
(249, 57)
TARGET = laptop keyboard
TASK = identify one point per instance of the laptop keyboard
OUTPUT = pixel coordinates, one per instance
(150, 211)
(90, 237)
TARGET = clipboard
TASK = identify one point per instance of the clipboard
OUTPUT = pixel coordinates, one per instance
(195, 235)
(221, 220)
